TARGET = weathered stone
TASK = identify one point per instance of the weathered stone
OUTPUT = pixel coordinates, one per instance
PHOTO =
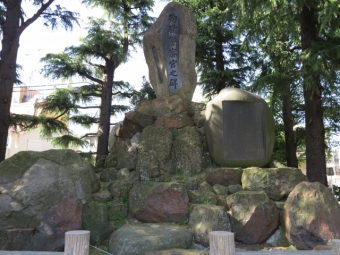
(178, 252)
(114, 134)
(223, 176)
(96, 220)
(159, 202)
(102, 197)
(222, 201)
(278, 239)
(253, 216)
(15, 239)
(123, 155)
(234, 188)
(173, 120)
(143, 238)
(154, 153)
(186, 152)
(108, 174)
(197, 111)
(172, 63)
(206, 218)
(60, 218)
(160, 106)
(202, 196)
(220, 189)
(276, 182)
(240, 129)
(311, 216)
(133, 123)
(32, 182)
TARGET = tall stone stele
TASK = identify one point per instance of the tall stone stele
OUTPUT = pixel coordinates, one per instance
(169, 49)
(239, 127)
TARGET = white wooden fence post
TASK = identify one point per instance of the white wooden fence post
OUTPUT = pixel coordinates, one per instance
(77, 242)
(222, 243)
(336, 246)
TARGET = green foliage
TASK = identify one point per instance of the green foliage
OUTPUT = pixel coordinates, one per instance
(175, 134)
(184, 223)
(146, 92)
(336, 192)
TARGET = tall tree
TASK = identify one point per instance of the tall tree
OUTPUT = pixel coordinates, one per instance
(14, 23)
(316, 20)
(95, 60)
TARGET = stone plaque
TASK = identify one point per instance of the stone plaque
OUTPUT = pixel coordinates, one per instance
(170, 39)
(243, 130)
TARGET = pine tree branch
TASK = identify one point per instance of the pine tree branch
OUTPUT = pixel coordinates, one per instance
(87, 107)
(82, 73)
(89, 135)
(35, 16)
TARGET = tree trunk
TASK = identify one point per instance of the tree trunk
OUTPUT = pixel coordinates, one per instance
(315, 130)
(219, 64)
(292, 160)
(10, 45)
(105, 110)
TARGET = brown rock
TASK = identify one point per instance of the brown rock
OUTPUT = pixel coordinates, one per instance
(15, 239)
(133, 123)
(160, 106)
(311, 216)
(63, 217)
(224, 176)
(254, 217)
(159, 202)
(171, 120)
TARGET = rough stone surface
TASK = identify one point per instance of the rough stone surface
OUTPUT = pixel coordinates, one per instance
(96, 220)
(173, 120)
(133, 123)
(311, 216)
(239, 140)
(224, 176)
(158, 58)
(276, 182)
(253, 216)
(123, 155)
(44, 191)
(234, 188)
(197, 111)
(143, 238)
(278, 239)
(199, 191)
(154, 153)
(206, 218)
(114, 134)
(220, 189)
(108, 174)
(103, 196)
(187, 150)
(178, 252)
(159, 202)
(160, 106)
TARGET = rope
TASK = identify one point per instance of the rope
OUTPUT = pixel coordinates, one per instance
(100, 250)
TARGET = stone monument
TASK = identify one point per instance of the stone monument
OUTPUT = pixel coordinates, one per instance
(169, 49)
(239, 128)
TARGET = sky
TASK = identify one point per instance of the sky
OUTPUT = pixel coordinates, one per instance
(38, 40)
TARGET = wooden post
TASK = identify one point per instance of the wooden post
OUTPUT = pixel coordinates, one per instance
(222, 243)
(336, 246)
(77, 242)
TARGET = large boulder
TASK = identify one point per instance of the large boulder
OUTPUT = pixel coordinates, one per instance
(276, 182)
(240, 128)
(143, 238)
(133, 123)
(206, 218)
(187, 150)
(123, 155)
(159, 202)
(169, 48)
(173, 120)
(96, 220)
(311, 216)
(253, 216)
(154, 153)
(224, 176)
(42, 189)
